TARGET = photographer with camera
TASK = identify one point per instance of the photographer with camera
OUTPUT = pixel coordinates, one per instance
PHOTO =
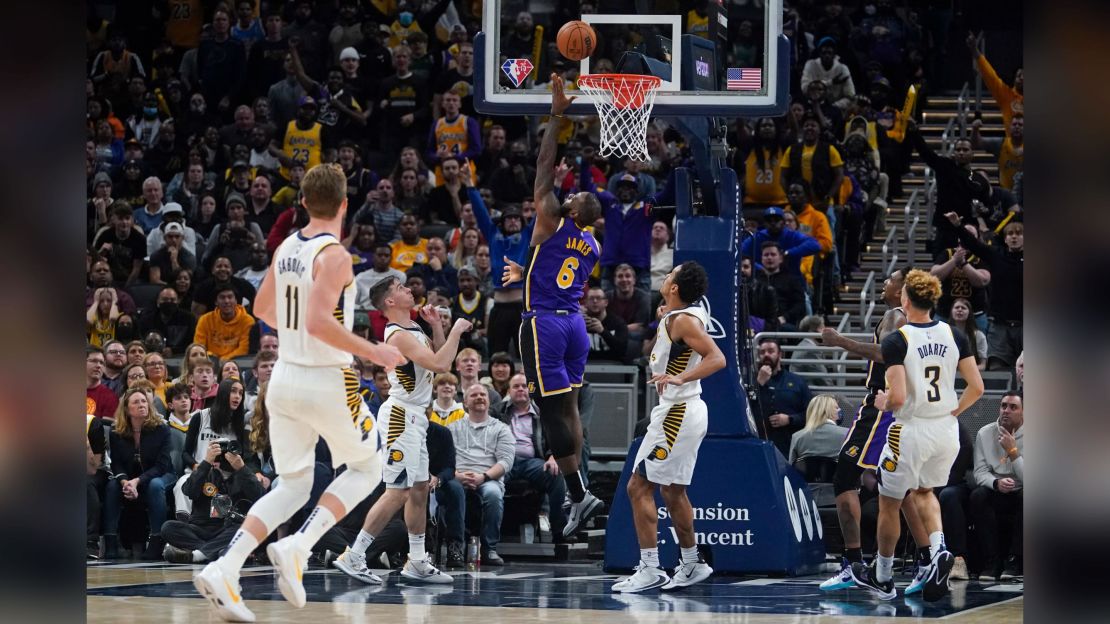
(226, 419)
(221, 488)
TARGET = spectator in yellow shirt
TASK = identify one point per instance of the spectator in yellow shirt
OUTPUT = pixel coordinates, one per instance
(225, 331)
(816, 161)
(411, 248)
(811, 223)
(1011, 100)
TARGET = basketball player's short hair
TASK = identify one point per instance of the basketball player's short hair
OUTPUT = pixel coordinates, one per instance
(692, 281)
(443, 378)
(905, 271)
(589, 210)
(923, 289)
(380, 290)
(324, 188)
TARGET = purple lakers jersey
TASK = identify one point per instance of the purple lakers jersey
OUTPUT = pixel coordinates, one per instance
(558, 269)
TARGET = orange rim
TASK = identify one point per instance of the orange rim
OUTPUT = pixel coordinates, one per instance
(627, 89)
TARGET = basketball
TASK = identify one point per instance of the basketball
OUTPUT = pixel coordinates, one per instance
(576, 40)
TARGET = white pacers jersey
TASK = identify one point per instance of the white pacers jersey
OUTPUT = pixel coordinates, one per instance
(931, 353)
(674, 358)
(293, 283)
(409, 383)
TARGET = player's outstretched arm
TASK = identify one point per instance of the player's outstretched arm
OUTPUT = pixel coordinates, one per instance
(331, 272)
(436, 361)
(892, 320)
(547, 205)
(690, 330)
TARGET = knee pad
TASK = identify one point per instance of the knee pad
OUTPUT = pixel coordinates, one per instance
(556, 425)
(846, 477)
(355, 484)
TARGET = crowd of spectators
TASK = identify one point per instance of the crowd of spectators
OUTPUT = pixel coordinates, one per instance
(202, 118)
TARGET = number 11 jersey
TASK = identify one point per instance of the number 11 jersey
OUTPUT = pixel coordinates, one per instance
(293, 274)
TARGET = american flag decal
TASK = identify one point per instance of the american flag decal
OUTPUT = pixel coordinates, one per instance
(744, 79)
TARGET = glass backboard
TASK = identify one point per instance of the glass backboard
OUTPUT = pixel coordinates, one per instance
(715, 58)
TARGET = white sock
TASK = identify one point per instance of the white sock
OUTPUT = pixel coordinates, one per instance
(198, 557)
(318, 523)
(936, 543)
(416, 547)
(689, 555)
(649, 557)
(362, 542)
(241, 547)
(885, 568)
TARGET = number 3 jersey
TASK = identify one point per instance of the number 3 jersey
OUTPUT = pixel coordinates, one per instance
(675, 358)
(293, 284)
(931, 354)
(558, 269)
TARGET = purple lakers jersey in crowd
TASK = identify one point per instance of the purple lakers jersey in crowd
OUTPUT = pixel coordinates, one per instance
(558, 269)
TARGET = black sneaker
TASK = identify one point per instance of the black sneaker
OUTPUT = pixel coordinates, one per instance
(154, 546)
(173, 554)
(455, 557)
(992, 571)
(936, 581)
(491, 558)
(1012, 570)
(111, 547)
(864, 576)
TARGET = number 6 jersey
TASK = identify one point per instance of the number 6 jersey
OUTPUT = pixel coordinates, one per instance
(558, 269)
(931, 354)
(293, 282)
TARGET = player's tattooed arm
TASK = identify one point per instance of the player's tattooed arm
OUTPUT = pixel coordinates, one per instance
(547, 205)
(892, 320)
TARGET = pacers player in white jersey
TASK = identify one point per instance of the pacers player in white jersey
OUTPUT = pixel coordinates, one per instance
(921, 359)
(403, 424)
(683, 354)
(308, 295)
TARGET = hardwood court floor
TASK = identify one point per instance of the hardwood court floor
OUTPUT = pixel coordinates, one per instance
(528, 592)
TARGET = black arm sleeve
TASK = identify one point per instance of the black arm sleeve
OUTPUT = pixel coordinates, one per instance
(894, 349)
(962, 344)
(188, 454)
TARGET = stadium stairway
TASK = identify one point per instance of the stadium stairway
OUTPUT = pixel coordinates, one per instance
(939, 110)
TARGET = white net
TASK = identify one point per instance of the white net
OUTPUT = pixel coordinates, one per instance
(623, 103)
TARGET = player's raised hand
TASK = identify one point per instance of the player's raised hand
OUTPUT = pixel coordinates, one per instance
(559, 100)
(561, 171)
(384, 354)
(429, 313)
(461, 326)
(513, 272)
(830, 337)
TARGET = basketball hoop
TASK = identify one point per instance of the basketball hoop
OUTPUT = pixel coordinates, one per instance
(623, 103)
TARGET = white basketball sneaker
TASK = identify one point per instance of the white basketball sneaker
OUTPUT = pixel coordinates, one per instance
(643, 579)
(289, 566)
(686, 574)
(222, 592)
(353, 564)
(423, 570)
